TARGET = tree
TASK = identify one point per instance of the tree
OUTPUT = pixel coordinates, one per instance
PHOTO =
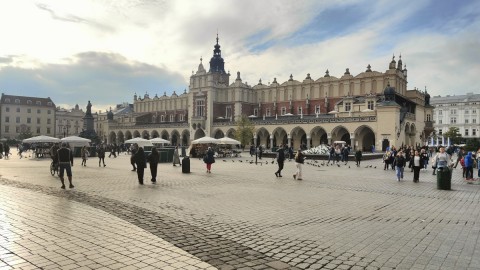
(454, 134)
(245, 129)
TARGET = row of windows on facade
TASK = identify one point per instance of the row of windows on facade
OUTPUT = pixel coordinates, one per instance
(454, 111)
(29, 120)
(29, 102)
(453, 120)
(25, 129)
(455, 104)
(7, 109)
(172, 118)
(200, 109)
(474, 132)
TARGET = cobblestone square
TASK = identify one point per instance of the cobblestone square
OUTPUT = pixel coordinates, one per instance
(238, 217)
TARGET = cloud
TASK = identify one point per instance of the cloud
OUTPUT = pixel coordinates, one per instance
(103, 78)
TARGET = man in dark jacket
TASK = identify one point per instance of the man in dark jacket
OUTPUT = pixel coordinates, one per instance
(65, 161)
(400, 165)
(280, 161)
(140, 161)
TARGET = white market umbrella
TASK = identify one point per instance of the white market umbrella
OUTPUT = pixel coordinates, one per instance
(288, 114)
(159, 140)
(205, 139)
(367, 110)
(252, 116)
(332, 112)
(76, 141)
(227, 140)
(140, 141)
(42, 139)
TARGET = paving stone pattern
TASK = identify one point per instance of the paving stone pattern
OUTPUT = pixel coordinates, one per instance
(242, 217)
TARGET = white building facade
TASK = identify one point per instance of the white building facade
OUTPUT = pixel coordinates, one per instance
(461, 111)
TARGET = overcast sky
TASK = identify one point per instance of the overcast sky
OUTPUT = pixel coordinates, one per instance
(106, 50)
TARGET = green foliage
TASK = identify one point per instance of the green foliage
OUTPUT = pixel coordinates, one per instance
(472, 145)
(24, 135)
(245, 129)
(454, 134)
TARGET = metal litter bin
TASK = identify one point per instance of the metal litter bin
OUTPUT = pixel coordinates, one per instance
(444, 178)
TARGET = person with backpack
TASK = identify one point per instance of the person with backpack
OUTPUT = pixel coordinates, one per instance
(299, 160)
(280, 161)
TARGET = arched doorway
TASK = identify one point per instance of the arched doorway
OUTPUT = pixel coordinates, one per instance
(112, 137)
(279, 137)
(121, 137)
(136, 134)
(154, 134)
(218, 134)
(263, 138)
(175, 138)
(318, 136)
(145, 135)
(231, 133)
(298, 138)
(413, 134)
(364, 138)
(128, 135)
(407, 134)
(165, 135)
(185, 137)
(340, 133)
(199, 133)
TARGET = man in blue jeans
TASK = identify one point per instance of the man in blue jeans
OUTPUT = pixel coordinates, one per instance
(400, 165)
(65, 161)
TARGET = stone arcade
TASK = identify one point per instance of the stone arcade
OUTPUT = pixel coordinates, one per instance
(371, 108)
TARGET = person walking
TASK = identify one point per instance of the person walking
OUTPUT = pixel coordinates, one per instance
(176, 157)
(113, 149)
(133, 151)
(280, 161)
(299, 160)
(478, 162)
(260, 152)
(209, 159)
(417, 165)
(139, 159)
(101, 155)
(399, 165)
(441, 159)
(331, 155)
(469, 166)
(460, 155)
(153, 159)
(358, 157)
(1, 150)
(65, 161)
(6, 149)
(84, 154)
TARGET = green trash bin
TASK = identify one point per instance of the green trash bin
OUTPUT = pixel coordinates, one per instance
(444, 178)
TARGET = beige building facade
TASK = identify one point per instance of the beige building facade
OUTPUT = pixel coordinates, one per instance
(26, 115)
(369, 109)
(69, 122)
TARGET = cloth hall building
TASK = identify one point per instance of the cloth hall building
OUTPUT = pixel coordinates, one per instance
(370, 108)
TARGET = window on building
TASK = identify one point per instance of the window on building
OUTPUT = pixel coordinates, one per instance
(18, 109)
(7, 109)
(466, 111)
(466, 132)
(38, 103)
(440, 121)
(181, 117)
(453, 111)
(38, 130)
(440, 112)
(29, 120)
(29, 110)
(17, 119)
(17, 101)
(38, 120)
(300, 110)
(29, 102)
(474, 111)
(440, 132)
(162, 118)
(429, 118)
(7, 119)
(49, 112)
(48, 130)
(474, 132)
(7, 129)
(7, 100)
(348, 106)
(466, 121)
(49, 103)
(474, 121)
(17, 129)
(49, 121)
(38, 111)
(317, 109)
(200, 107)
(172, 118)
(283, 111)
(370, 105)
(228, 111)
(453, 104)
(255, 111)
(453, 120)
(268, 113)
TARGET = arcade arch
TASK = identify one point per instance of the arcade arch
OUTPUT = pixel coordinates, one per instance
(175, 137)
(145, 135)
(154, 134)
(340, 133)
(231, 133)
(298, 138)
(165, 135)
(218, 134)
(112, 137)
(185, 137)
(199, 133)
(364, 138)
(318, 136)
(263, 137)
(136, 134)
(279, 137)
(121, 137)
(128, 135)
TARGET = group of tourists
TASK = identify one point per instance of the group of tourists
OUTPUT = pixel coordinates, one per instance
(4, 150)
(469, 161)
